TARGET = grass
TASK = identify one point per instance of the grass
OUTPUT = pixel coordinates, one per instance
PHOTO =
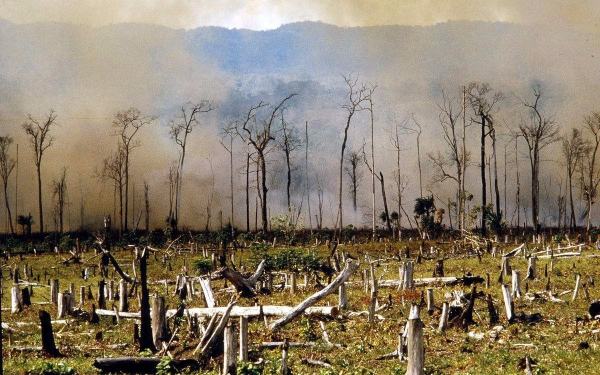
(553, 344)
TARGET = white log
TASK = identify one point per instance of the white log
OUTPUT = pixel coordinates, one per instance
(243, 355)
(229, 365)
(16, 300)
(443, 318)
(516, 284)
(300, 308)
(508, 305)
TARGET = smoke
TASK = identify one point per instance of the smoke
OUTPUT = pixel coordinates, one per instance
(269, 14)
(87, 74)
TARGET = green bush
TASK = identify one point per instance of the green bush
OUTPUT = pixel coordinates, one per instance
(50, 368)
(202, 265)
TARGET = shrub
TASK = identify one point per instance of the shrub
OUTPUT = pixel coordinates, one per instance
(50, 368)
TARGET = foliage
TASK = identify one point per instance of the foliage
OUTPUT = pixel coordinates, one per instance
(165, 366)
(66, 242)
(425, 209)
(249, 368)
(291, 259)
(284, 226)
(202, 266)
(50, 368)
(493, 220)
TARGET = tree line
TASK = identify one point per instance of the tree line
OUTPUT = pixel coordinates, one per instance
(263, 129)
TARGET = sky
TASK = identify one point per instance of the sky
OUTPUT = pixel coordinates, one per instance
(269, 14)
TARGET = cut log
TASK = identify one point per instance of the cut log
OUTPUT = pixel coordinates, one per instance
(436, 281)
(332, 287)
(416, 350)
(48, 345)
(159, 321)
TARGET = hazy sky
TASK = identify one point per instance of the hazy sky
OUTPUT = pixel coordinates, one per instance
(268, 14)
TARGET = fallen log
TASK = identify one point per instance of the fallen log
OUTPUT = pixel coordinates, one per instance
(139, 365)
(432, 281)
(236, 312)
(331, 288)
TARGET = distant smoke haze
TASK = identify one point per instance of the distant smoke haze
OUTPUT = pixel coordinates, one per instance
(86, 74)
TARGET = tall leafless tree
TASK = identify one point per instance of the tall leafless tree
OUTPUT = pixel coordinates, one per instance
(229, 132)
(356, 97)
(483, 100)
(59, 193)
(449, 115)
(592, 174)
(352, 170)
(180, 129)
(259, 133)
(146, 207)
(573, 149)
(113, 169)
(288, 143)
(7, 165)
(40, 138)
(539, 131)
(126, 125)
(386, 212)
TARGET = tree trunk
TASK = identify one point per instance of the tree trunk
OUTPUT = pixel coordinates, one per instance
(40, 207)
(48, 345)
(248, 192)
(385, 205)
(264, 214)
(146, 340)
(496, 189)
(8, 213)
(483, 182)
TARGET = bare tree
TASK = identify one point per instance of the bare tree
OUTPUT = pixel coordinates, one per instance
(180, 129)
(352, 170)
(172, 181)
(483, 101)
(259, 134)
(356, 97)
(306, 177)
(288, 143)
(449, 115)
(40, 138)
(113, 169)
(386, 213)
(573, 149)
(147, 207)
(592, 174)
(7, 165)
(59, 193)
(538, 131)
(127, 124)
(229, 131)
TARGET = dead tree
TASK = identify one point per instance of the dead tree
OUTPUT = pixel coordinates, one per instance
(259, 134)
(113, 169)
(395, 140)
(146, 339)
(538, 131)
(370, 109)
(229, 132)
(289, 142)
(386, 212)
(592, 175)
(59, 193)
(353, 172)
(306, 178)
(449, 115)
(127, 124)
(180, 129)
(356, 97)
(147, 207)
(573, 148)
(40, 138)
(483, 101)
(7, 165)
